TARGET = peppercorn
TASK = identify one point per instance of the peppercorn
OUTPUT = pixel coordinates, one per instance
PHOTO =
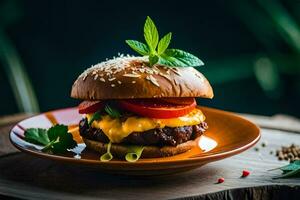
(289, 153)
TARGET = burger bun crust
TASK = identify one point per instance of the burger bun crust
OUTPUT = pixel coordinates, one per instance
(127, 78)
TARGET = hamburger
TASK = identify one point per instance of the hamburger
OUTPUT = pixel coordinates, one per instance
(142, 106)
(156, 107)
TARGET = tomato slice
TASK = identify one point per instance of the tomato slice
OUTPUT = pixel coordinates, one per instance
(90, 106)
(156, 108)
(180, 101)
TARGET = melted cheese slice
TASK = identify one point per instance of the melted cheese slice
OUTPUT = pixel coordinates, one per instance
(116, 130)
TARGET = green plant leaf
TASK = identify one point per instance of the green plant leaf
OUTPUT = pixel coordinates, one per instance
(179, 58)
(288, 174)
(153, 59)
(113, 112)
(95, 116)
(158, 51)
(56, 139)
(290, 170)
(139, 47)
(151, 34)
(65, 142)
(17, 75)
(36, 136)
(292, 166)
(164, 43)
(60, 139)
(56, 131)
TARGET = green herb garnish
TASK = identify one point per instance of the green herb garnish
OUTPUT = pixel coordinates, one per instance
(107, 156)
(290, 170)
(112, 111)
(158, 51)
(95, 116)
(56, 139)
(37, 136)
(134, 153)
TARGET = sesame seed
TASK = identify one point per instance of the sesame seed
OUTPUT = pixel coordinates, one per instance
(166, 76)
(112, 85)
(95, 77)
(84, 76)
(199, 76)
(120, 82)
(176, 81)
(111, 79)
(153, 80)
(133, 82)
(132, 75)
(102, 79)
(112, 66)
(176, 71)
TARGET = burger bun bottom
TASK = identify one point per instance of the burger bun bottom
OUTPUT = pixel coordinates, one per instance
(120, 150)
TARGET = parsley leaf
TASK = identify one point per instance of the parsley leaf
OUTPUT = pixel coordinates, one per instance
(36, 136)
(158, 52)
(112, 111)
(56, 139)
(56, 131)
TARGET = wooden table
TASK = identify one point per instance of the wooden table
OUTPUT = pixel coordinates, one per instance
(25, 176)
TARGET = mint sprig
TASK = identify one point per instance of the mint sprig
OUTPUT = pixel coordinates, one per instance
(56, 139)
(158, 52)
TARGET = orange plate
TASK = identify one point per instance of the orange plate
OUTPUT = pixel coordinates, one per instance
(227, 135)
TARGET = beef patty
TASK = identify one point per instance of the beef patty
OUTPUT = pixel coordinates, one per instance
(167, 136)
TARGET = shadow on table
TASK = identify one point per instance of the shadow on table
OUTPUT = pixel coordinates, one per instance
(55, 175)
(27, 173)
(268, 192)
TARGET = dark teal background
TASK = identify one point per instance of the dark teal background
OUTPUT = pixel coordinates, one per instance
(57, 40)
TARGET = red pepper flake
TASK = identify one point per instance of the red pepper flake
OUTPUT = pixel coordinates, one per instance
(245, 173)
(221, 180)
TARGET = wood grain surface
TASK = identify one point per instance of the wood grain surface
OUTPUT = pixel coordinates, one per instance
(25, 176)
